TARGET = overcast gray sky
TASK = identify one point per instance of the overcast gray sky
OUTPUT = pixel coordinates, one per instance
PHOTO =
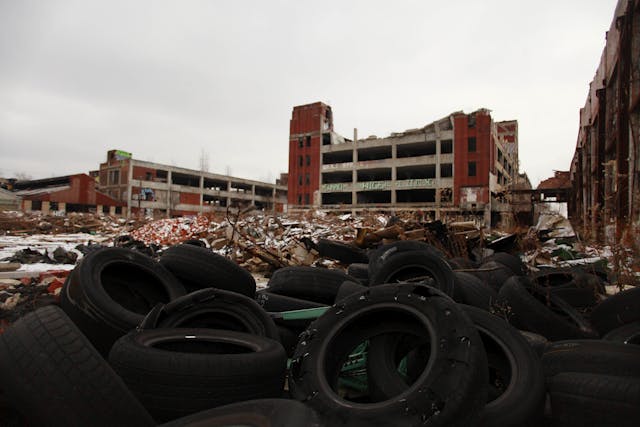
(166, 80)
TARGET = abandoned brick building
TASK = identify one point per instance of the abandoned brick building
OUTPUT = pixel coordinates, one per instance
(458, 164)
(153, 188)
(604, 170)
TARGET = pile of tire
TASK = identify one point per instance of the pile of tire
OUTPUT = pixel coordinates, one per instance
(403, 337)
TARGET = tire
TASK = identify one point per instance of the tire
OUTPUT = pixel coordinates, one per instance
(213, 309)
(52, 374)
(515, 378)
(617, 310)
(198, 268)
(515, 373)
(349, 288)
(360, 272)
(274, 303)
(195, 242)
(378, 256)
(341, 251)
(111, 291)
(585, 399)
(261, 412)
(537, 342)
(468, 289)
(512, 262)
(493, 274)
(315, 284)
(529, 311)
(288, 337)
(177, 372)
(627, 334)
(460, 263)
(409, 265)
(577, 297)
(591, 356)
(456, 369)
(555, 277)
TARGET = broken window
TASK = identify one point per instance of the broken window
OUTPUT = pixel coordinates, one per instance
(471, 170)
(308, 140)
(300, 142)
(307, 179)
(471, 142)
(300, 199)
(114, 177)
(446, 146)
(308, 160)
(326, 139)
(306, 199)
(300, 161)
(446, 170)
(299, 179)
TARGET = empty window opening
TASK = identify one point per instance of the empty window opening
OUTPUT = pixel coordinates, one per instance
(471, 169)
(308, 140)
(337, 177)
(416, 172)
(427, 148)
(307, 179)
(416, 196)
(300, 142)
(446, 146)
(374, 175)
(446, 170)
(308, 159)
(337, 157)
(471, 144)
(374, 153)
(326, 139)
(336, 198)
(184, 179)
(300, 161)
(374, 197)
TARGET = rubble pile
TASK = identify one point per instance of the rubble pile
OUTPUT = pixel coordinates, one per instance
(20, 223)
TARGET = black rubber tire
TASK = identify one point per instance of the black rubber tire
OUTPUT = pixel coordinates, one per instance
(213, 309)
(341, 251)
(470, 290)
(378, 256)
(177, 372)
(592, 356)
(198, 268)
(288, 337)
(52, 374)
(537, 342)
(403, 266)
(195, 242)
(560, 276)
(512, 361)
(586, 399)
(577, 297)
(310, 283)
(111, 291)
(260, 412)
(528, 312)
(349, 288)
(627, 334)
(617, 310)
(512, 262)
(274, 303)
(460, 263)
(449, 392)
(493, 274)
(515, 377)
(359, 271)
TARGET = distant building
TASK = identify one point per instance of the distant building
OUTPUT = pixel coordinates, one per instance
(157, 189)
(71, 193)
(455, 165)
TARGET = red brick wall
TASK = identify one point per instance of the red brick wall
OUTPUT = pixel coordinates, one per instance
(483, 156)
(305, 120)
(189, 198)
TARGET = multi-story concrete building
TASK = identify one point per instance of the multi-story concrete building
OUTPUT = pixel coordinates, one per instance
(454, 164)
(174, 191)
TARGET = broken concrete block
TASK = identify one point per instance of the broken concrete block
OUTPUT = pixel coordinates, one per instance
(9, 266)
